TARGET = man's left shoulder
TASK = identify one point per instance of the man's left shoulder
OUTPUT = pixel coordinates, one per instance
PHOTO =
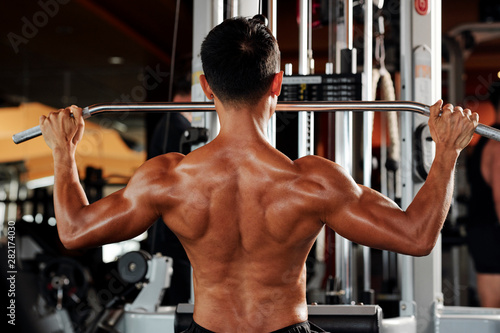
(310, 160)
(314, 162)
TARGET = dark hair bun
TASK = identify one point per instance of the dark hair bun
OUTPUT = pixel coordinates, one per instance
(261, 19)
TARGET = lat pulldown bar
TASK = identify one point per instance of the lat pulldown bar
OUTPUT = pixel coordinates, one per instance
(358, 106)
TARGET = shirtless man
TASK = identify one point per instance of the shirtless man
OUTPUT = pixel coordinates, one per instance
(246, 214)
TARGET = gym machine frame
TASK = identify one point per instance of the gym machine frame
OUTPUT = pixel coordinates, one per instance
(432, 313)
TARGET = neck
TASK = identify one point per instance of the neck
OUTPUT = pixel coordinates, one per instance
(242, 122)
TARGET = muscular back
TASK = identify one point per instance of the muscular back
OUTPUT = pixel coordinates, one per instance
(245, 216)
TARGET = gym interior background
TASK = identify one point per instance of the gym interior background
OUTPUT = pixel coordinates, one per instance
(56, 53)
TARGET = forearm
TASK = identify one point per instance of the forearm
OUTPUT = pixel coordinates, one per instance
(69, 196)
(429, 209)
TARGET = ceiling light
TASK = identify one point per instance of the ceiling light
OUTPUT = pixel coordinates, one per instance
(116, 60)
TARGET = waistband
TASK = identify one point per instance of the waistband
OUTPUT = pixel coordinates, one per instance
(303, 327)
(296, 328)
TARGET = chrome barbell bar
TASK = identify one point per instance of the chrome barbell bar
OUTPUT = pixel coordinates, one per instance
(356, 106)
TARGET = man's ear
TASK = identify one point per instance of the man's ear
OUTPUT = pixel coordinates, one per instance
(206, 88)
(276, 84)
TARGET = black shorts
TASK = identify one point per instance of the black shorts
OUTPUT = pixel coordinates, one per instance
(484, 247)
(297, 328)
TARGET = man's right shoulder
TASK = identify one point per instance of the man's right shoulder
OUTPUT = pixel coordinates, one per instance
(169, 158)
(162, 163)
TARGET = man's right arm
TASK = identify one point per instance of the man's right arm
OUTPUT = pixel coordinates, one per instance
(369, 218)
(123, 214)
(119, 216)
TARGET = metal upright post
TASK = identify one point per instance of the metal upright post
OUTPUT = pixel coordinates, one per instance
(248, 8)
(343, 156)
(273, 26)
(367, 134)
(306, 138)
(217, 18)
(272, 13)
(348, 17)
(233, 6)
(405, 263)
(303, 36)
(427, 36)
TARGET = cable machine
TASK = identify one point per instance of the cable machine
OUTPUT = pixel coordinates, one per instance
(420, 278)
